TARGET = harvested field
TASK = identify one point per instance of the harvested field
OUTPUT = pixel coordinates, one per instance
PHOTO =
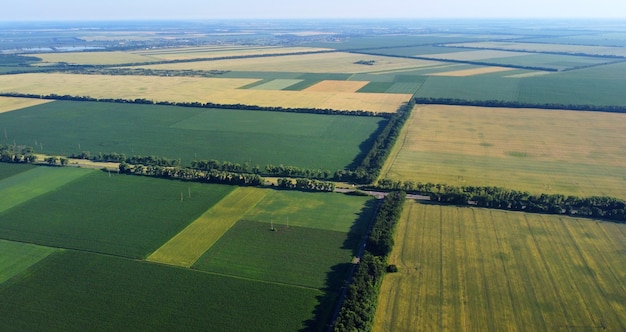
(186, 247)
(336, 86)
(471, 72)
(541, 151)
(461, 268)
(8, 104)
(336, 62)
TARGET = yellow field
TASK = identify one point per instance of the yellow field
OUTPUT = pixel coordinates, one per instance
(336, 86)
(337, 62)
(195, 89)
(219, 51)
(465, 269)
(93, 58)
(471, 72)
(8, 104)
(540, 151)
(186, 247)
(541, 47)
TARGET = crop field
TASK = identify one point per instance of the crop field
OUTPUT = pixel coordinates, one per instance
(209, 52)
(186, 247)
(277, 84)
(303, 140)
(77, 291)
(465, 269)
(540, 151)
(471, 72)
(540, 47)
(93, 58)
(8, 104)
(337, 62)
(8, 170)
(475, 55)
(17, 257)
(338, 86)
(120, 215)
(34, 182)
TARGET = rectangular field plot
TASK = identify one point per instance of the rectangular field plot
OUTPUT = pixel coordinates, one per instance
(277, 84)
(292, 255)
(120, 215)
(465, 269)
(94, 58)
(17, 257)
(542, 47)
(336, 86)
(186, 247)
(34, 182)
(72, 291)
(10, 169)
(540, 151)
(258, 138)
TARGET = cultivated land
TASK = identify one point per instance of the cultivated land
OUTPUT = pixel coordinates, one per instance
(540, 151)
(186, 247)
(92, 58)
(8, 104)
(258, 138)
(187, 53)
(18, 257)
(541, 47)
(465, 269)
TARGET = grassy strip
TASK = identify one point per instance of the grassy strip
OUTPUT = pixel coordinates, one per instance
(186, 247)
(17, 257)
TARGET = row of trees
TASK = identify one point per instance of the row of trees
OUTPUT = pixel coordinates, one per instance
(17, 154)
(199, 104)
(190, 174)
(306, 184)
(605, 207)
(518, 104)
(359, 306)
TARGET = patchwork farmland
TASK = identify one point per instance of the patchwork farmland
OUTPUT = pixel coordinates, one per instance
(86, 247)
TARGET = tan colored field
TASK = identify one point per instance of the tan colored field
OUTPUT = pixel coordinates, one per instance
(541, 47)
(529, 74)
(471, 72)
(336, 62)
(540, 151)
(220, 51)
(466, 269)
(186, 247)
(474, 55)
(93, 58)
(336, 86)
(195, 89)
(8, 104)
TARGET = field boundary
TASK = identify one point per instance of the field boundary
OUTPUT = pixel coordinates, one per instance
(186, 247)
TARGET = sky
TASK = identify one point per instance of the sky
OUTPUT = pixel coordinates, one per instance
(38, 10)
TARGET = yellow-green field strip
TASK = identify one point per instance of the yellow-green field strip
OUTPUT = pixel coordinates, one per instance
(25, 186)
(186, 247)
(17, 257)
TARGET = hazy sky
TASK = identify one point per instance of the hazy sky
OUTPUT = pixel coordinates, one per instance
(211, 9)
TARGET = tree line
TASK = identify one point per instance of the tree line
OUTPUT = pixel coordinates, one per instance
(359, 305)
(518, 104)
(605, 207)
(17, 154)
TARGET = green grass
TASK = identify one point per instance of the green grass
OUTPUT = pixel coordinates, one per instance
(76, 291)
(303, 140)
(8, 170)
(326, 211)
(121, 215)
(376, 87)
(34, 182)
(17, 257)
(293, 255)
(277, 84)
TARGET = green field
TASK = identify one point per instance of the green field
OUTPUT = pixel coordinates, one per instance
(8, 170)
(122, 215)
(303, 140)
(34, 182)
(75, 291)
(17, 257)
(291, 255)
(465, 269)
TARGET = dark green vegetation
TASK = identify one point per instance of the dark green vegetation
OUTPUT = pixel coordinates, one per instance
(359, 305)
(8, 170)
(303, 140)
(81, 291)
(120, 215)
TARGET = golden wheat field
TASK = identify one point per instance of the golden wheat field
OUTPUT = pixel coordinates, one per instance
(336, 62)
(196, 89)
(467, 269)
(8, 104)
(540, 151)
